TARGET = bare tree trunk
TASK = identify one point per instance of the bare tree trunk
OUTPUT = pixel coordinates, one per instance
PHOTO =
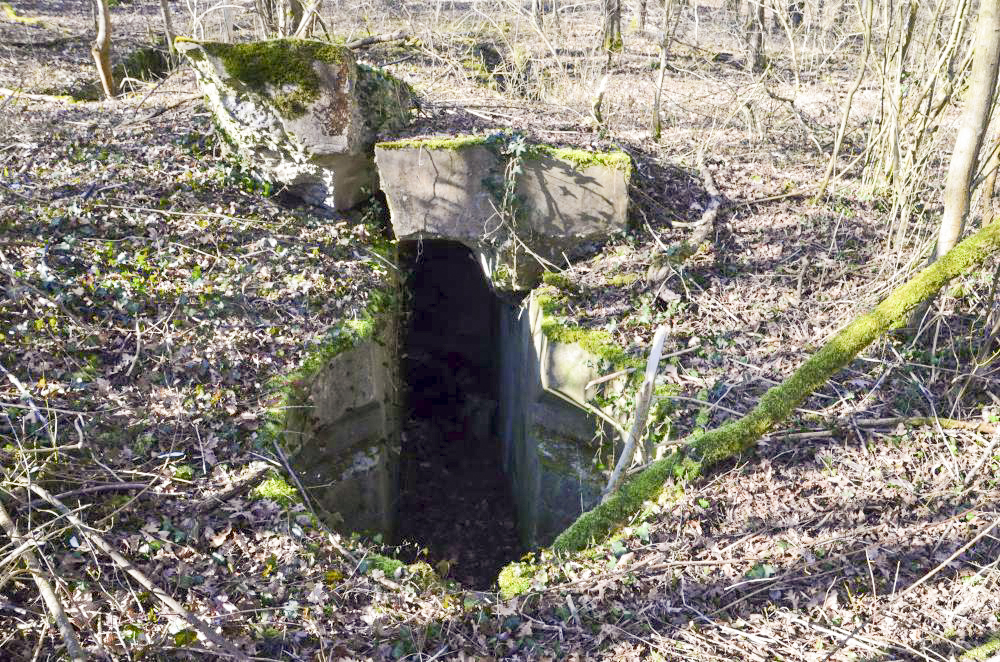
(289, 15)
(611, 40)
(101, 48)
(642, 15)
(971, 131)
(308, 19)
(755, 37)
(168, 28)
(972, 128)
(657, 129)
(538, 14)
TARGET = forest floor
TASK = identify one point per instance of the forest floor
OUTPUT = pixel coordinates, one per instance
(152, 293)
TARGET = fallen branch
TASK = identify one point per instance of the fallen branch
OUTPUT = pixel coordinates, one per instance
(908, 421)
(18, 94)
(700, 452)
(97, 541)
(238, 488)
(156, 113)
(919, 421)
(987, 455)
(377, 39)
(706, 224)
(73, 648)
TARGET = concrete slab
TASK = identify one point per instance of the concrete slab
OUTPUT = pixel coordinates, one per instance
(568, 202)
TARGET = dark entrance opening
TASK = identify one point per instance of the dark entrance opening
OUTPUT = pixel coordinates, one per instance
(454, 498)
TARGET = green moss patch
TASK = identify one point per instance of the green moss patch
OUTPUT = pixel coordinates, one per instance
(386, 564)
(595, 341)
(280, 69)
(11, 15)
(515, 579)
(558, 281)
(456, 142)
(623, 280)
(582, 159)
(277, 489)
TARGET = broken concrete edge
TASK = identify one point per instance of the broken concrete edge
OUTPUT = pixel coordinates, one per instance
(278, 63)
(291, 389)
(580, 159)
(557, 327)
(631, 504)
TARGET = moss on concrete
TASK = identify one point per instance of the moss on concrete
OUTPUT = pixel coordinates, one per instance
(595, 341)
(578, 158)
(582, 159)
(707, 449)
(559, 281)
(623, 280)
(294, 387)
(456, 142)
(598, 342)
(278, 69)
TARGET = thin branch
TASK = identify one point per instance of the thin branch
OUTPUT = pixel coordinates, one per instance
(52, 603)
(641, 412)
(97, 541)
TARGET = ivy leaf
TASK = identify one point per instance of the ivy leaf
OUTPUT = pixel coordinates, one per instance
(761, 571)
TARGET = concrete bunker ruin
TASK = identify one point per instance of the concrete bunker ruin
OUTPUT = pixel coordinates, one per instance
(455, 372)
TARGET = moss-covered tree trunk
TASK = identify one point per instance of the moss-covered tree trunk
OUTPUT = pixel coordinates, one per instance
(701, 452)
(611, 33)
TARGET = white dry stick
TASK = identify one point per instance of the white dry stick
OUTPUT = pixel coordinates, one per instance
(641, 412)
(74, 650)
(987, 454)
(961, 550)
(97, 541)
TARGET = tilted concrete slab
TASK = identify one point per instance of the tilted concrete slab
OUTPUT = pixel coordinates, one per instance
(567, 201)
(301, 113)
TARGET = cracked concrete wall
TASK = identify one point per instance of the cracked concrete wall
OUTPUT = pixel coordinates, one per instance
(348, 434)
(549, 444)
